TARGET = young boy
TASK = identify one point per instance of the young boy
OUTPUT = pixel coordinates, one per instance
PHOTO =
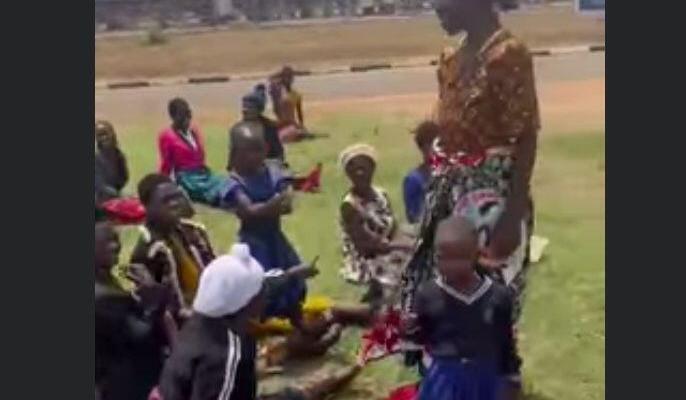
(175, 250)
(416, 181)
(129, 330)
(215, 357)
(464, 321)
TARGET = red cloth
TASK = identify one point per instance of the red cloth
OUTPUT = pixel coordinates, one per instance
(176, 154)
(310, 183)
(124, 210)
(408, 392)
(383, 339)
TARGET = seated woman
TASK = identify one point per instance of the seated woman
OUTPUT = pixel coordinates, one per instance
(287, 104)
(417, 180)
(371, 249)
(182, 155)
(253, 109)
(111, 175)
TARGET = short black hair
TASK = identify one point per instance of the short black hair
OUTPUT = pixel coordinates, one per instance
(425, 133)
(175, 105)
(148, 185)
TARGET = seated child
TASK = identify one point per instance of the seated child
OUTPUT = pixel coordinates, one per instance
(464, 320)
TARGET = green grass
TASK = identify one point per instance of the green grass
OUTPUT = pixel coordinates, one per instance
(564, 320)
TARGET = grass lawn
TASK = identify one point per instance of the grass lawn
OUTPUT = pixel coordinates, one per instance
(250, 49)
(563, 326)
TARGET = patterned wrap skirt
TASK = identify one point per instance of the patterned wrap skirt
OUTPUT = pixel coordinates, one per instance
(201, 185)
(476, 188)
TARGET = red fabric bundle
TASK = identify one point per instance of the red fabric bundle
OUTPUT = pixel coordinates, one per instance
(310, 183)
(124, 211)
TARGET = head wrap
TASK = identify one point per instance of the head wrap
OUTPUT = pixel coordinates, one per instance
(356, 150)
(229, 283)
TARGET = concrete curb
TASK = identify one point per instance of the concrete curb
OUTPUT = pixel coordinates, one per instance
(355, 68)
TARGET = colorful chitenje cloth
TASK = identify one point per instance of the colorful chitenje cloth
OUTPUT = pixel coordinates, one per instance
(201, 185)
(123, 211)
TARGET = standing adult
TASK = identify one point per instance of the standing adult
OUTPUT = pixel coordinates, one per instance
(182, 155)
(484, 156)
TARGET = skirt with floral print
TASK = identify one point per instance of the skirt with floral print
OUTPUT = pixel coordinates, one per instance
(478, 191)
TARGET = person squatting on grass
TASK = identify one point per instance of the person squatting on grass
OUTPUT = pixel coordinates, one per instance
(182, 155)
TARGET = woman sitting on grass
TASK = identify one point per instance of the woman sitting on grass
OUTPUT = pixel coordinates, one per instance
(288, 107)
(111, 175)
(370, 249)
(182, 155)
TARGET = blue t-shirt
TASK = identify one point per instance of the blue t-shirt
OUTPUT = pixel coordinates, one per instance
(414, 190)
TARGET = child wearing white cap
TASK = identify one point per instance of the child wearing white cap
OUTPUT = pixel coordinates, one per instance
(213, 351)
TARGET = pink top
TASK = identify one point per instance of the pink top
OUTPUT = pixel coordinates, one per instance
(178, 154)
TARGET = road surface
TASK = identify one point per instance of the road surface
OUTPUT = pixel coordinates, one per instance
(571, 90)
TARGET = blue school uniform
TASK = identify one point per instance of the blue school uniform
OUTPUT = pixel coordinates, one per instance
(267, 242)
(470, 341)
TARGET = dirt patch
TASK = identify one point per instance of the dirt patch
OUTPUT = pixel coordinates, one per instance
(255, 49)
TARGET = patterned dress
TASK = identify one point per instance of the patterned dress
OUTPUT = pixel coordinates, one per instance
(378, 218)
(482, 115)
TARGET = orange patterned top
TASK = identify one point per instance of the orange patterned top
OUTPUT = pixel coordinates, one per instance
(494, 106)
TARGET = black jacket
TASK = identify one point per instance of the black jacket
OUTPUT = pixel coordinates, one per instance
(210, 362)
(129, 344)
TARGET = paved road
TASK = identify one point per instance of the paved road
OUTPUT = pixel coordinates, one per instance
(126, 105)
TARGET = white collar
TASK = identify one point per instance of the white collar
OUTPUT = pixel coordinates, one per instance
(467, 299)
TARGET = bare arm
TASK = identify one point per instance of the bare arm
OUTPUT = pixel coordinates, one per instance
(246, 209)
(365, 241)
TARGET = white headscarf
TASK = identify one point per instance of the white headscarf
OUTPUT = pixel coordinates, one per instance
(229, 283)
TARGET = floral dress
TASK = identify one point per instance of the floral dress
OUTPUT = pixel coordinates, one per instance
(378, 218)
